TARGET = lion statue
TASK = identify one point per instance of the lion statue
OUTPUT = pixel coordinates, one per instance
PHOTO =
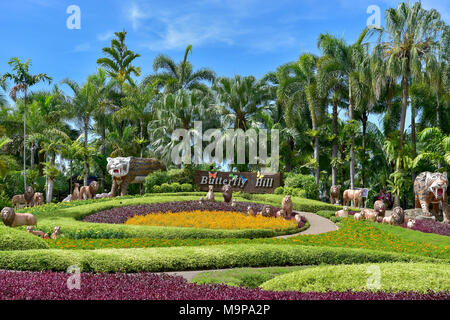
(125, 171)
(210, 194)
(398, 215)
(12, 219)
(227, 193)
(287, 206)
(380, 208)
(355, 195)
(335, 194)
(267, 211)
(89, 192)
(38, 199)
(29, 195)
(431, 188)
(76, 192)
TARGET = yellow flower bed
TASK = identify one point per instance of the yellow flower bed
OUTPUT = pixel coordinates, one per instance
(211, 220)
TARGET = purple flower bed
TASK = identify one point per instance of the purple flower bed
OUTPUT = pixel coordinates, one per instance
(148, 286)
(430, 226)
(121, 214)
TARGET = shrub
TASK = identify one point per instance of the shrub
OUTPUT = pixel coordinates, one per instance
(156, 189)
(187, 187)
(394, 277)
(305, 182)
(176, 187)
(5, 201)
(181, 176)
(15, 239)
(155, 179)
(279, 190)
(166, 188)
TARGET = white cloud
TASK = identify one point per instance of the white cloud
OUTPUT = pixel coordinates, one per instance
(105, 36)
(83, 47)
(135, 15)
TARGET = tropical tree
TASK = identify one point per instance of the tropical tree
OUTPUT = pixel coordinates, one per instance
(119, 59)
(435, 147)
(172, 76)
(23, 80)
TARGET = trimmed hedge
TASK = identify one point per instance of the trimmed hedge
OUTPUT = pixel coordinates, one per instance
(15, 239)
(193, 258)
(391, 277)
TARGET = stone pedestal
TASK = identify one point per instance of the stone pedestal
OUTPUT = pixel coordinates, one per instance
(421, 217)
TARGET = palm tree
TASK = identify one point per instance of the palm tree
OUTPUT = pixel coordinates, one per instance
(118, 60)
(4, 160)
(412, 33)
(435, 147)
(172, 76)
(23, 80)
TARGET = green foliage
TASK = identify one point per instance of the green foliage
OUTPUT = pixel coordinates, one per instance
(174, 177)
(193, 258)
(166, 188)
(393, 277)
(186, 187)
(176, 187)
(155, 179)
(304, 182)
(15, 239)
(296, 192)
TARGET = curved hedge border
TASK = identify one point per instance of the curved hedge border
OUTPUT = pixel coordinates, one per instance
(193, 258)
(14, 239)
(393, 277)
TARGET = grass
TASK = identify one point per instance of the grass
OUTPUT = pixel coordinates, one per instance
(193, 258)
(14, 239)
(393, 277)
(243, 277)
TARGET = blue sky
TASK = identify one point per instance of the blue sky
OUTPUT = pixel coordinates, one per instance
(247, 37)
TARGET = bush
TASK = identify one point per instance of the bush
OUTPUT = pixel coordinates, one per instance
(176, 187)
(186, 187)
(194, 258)
(279, 190)
(5, 201)
(395, 277)
(304, 182)
(15, 239)
(185, 175)
(156, 189)
(166, 188)
(155, 179)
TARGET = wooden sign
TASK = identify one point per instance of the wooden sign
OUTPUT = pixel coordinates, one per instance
(240, 181)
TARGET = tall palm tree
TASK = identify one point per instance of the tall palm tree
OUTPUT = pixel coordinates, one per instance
(23, 80)
(172, 76)
(119, 59)
(412, 37)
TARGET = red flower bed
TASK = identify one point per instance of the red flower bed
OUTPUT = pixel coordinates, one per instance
(430, 226)
(121, 214)
(149, 286)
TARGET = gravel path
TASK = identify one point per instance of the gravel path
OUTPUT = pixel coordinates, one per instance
(317, 225)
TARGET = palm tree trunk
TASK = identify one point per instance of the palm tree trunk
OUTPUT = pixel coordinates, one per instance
(352, 152)
(363, 162)
(25, 139)
(316, 157)
(290, 145)
(413, 138)
(50, 181)
(405, 89)
(86, 167)
(32, 156)
(103, 151)
(334, 149)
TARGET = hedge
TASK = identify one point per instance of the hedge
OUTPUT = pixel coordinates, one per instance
(193, 258)
(391, 277)
(14, 239)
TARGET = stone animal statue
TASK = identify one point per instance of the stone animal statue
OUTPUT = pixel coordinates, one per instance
(210, 194)
(286, 205)
(76, 192)
(93, 188)
(355, 195)
(431, 188)
(281, 214)
(379, 207)
(399, 215)
(233, 203)
(38, 199)
(359, 216)
(411, 224)
(370, 214)
(29, 195)
(201, 201)
(125, 171)
(56, 233)
(37, 232)
(17, 200)
(388, 220)
(85, 193)
(12, 219)
(267, 211)
(342, 213)
(250, 211)
(298, 217)
(227, 193)
(335, 192)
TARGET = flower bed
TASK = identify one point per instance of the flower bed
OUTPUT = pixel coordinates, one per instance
(122, 214)
(212, 220)
(148, 286)
(430, 226)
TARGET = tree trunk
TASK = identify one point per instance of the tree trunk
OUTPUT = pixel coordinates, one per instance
(86, 166)
(290, 144)
(413, 138)
(334, 150)
(363, 162)
(352, 142)
(32, 156)
(25, 139)
(405, 89)
(50, 181)
(103, 151)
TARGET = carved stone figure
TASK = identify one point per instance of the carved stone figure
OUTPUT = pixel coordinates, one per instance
(388, 220)
(267, 211)
(38, 199)
(76, 192)
(93, 188)
(298, 217)
(56, 233)
(125, 171)
(37, 232)
(379, 207)
(399, 215)
(233, 203)
(201, 201)
(431, 188)
(17, 200)
(281, 214)
(227, 193)
(210, 194)
(411, 224)
(28, 195)
(335, 192)
(370, 214)
(250, 211)
(342, 213)
(355, 195)
(287, 206)
(12, 219)
(359, 216)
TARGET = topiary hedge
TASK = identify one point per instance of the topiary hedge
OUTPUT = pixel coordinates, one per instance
(14, 239)
(304, 182)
